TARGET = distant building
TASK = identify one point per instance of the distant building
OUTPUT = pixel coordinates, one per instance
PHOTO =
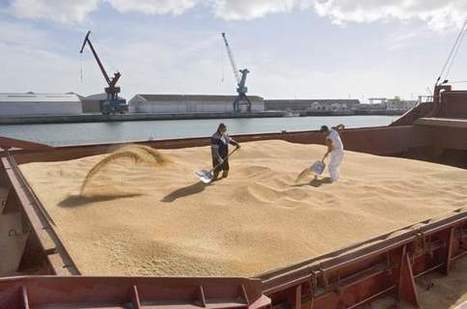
(370, 108)
(93, 103)
(171, 103)
(425, 99)
(341, 106)
(400, 105)
(29, 104)
(395, 105)
(318, 105)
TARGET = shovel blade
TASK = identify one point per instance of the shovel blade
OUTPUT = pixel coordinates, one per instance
(204, 176)
(318, 167)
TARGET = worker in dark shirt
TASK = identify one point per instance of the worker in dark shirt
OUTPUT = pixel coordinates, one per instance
(220, 150)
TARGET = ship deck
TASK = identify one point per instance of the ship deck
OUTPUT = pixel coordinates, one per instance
(442, 122)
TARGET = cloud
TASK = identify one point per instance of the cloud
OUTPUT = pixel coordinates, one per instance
(71, 11)
(35, 61)
(62, 11)
(175, 7)
(74, 11)
(22, 35)
(439, 15)
(248, 9)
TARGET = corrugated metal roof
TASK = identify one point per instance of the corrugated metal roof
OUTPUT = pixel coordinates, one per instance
(38, 97)
(192, 97)
(97, 97)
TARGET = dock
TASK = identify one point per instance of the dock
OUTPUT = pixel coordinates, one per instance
(43, 119)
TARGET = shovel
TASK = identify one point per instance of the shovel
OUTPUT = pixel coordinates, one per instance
(206, 176)
(317, 169)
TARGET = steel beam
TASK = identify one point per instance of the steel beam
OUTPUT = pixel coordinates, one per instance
(448, 251)
(407, 290)
(40, 223)
(9, 143)
(140, 292)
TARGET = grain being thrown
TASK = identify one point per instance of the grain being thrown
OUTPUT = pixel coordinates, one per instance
(256, 220)
(129, 156)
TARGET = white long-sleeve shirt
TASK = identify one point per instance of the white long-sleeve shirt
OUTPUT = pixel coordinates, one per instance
(335, 138)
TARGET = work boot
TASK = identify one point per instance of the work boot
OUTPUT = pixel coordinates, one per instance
(225, 174)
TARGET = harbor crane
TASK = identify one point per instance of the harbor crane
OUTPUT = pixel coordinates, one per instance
(241, 99)
(113, 104)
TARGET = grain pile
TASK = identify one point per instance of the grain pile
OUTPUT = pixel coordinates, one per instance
(168, 223)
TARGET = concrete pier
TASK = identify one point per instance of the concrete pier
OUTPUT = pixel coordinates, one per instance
(40, 119)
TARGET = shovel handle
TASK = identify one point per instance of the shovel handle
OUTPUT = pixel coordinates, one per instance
(231, 153)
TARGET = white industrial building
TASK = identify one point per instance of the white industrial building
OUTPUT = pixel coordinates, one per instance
(310, 105)
(29, 104)
(170, 103)
(393, 105)
(400, 105)
(93, 103)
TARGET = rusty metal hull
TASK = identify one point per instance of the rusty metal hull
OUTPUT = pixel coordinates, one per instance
(417, 141)
(377, 140)
(387, 264)
(130, 292)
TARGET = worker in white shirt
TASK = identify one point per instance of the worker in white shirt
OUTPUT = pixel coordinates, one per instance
(335, 148)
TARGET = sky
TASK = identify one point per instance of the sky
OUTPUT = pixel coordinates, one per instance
(293, 48)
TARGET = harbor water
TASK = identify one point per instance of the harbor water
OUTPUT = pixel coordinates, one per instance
(131, 131)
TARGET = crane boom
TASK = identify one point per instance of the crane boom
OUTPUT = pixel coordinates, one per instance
(231, 58)
(99, 63)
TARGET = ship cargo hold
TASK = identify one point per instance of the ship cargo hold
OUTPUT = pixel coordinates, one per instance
(42, 268)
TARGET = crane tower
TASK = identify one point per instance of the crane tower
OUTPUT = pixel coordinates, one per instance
(113, 103)
(241, 99)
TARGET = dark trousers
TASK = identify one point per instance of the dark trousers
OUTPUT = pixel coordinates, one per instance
(224, 167)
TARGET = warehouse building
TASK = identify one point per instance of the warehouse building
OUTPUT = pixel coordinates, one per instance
(93, 103)
(30, 104)
(400, 105)
(392, 105)
(371, 108)
(318, 105)
(173, 104)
